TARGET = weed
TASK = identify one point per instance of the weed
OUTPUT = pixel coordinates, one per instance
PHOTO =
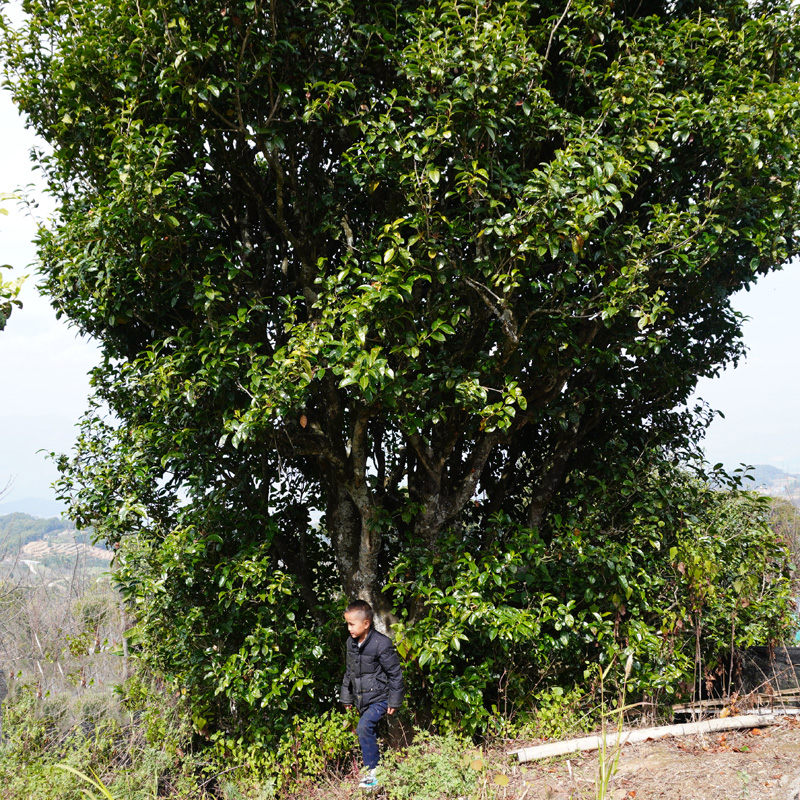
(608, 756)
(51, 741)
(557, 714)
(430, 769)
(440, 768)
(745, 780)
(93, 781)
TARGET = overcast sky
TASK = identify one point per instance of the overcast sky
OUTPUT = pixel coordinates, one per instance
(44, 364)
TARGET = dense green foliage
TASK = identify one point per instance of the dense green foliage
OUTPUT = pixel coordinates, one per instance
(71, 702)
(416, 291)
(666, 570)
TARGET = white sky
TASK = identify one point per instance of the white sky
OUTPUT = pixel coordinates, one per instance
(44, 365)
(760, 398)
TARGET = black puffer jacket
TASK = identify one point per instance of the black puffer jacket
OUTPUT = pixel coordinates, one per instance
(373, 673)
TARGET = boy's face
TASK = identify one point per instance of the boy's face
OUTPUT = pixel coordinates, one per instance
(357, 625)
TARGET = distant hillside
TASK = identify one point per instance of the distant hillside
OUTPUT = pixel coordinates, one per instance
(775, 482)
(32, 544)
(19, 529)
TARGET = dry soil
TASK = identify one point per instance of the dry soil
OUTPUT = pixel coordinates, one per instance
(760, 764)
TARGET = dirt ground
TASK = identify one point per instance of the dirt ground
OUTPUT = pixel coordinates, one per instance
(759, 764)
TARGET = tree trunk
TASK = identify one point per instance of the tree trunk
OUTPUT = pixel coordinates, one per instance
(357, 542)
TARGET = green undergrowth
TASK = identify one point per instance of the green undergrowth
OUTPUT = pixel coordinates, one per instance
(436, 767)
(136, 740)
(139, 742)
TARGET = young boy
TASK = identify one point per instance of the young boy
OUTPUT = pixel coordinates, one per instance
(373, 682)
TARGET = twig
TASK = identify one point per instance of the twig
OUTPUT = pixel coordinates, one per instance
(555, 28)
(219, 774)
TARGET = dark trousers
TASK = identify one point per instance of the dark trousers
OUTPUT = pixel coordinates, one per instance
(367, 731)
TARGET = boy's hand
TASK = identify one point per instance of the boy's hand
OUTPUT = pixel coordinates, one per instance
(390, 711)
(347, 708)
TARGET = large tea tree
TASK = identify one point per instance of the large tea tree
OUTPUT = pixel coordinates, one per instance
(359, 266)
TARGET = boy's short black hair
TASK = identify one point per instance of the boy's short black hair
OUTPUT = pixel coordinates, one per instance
(363, 608)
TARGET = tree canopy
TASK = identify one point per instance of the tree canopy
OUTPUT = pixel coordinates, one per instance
(370, 277)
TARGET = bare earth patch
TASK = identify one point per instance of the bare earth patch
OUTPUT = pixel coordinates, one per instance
(761, 764)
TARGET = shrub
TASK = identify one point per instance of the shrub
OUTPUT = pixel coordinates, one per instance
(660, 567)
(432, 768)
